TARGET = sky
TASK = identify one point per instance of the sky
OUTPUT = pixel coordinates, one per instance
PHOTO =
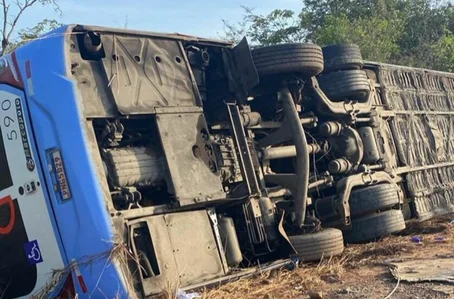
(195, 17)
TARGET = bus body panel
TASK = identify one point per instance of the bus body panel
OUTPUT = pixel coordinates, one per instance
(29, 251)
(85, 226)
(420, 104)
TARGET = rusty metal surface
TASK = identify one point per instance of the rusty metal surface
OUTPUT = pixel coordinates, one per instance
(418, 270)
(144, 73)
(423, 130)
(194, 245)
(92, 84)
(185, 249)
(188, 159)
(141, 33)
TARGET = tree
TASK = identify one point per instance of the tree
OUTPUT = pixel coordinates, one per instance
(281, 25)
(406, 32)
(12, 13)
(377, 37)
(443, 52)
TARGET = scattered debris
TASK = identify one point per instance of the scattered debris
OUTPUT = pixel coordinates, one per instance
(417, 270)
(315, 295)
(395, 288)
(440, 239)
(362, 270)
(183, 295)
(346, 291)
(444, 289)
(267, 281)
(330, 278)
(416, 239)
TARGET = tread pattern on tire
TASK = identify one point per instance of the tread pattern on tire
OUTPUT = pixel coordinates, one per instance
(313, 247)
(345, 84)
(373, 198)
(342, 57)
(375, 226)
(288, 58)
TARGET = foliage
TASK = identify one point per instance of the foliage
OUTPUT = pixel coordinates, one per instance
(29, 34)
(411, 32)
(281, 25)
(12, 13)
(444, 52)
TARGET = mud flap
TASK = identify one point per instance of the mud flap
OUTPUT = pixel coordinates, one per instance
(284, 234)
(240, 69)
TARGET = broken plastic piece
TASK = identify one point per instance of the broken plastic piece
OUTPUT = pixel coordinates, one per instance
(440, 239)
(293, 264)
(183, 295)
(416, 239)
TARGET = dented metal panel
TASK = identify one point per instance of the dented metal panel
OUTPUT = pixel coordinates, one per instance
(185, 249)
(422, 105)
(141, 33)
(145, 73)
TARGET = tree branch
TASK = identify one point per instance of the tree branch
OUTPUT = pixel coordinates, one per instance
(5, 24)
(22, 8)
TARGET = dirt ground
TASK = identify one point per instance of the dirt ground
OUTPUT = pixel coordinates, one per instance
(361, 271)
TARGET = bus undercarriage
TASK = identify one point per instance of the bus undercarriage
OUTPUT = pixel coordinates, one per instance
(215, 158)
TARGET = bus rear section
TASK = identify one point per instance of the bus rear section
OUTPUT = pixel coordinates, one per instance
(30, 247)
(172, 161)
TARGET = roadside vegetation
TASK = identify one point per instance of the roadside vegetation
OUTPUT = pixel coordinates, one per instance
(418, 33)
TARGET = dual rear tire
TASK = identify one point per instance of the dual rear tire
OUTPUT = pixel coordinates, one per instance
(375, 226)
(374, 211)
(342, 77)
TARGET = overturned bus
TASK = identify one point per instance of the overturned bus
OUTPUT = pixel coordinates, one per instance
(133, 160)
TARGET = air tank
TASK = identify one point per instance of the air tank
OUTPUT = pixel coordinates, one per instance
(230, 242)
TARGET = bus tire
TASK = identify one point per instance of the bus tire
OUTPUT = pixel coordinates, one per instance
(373, 199)
(323, 244)
(351, 84)
(342, 57)
(297, 58)
(375, 226)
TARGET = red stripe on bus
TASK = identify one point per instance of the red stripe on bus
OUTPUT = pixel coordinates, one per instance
(83, 286)
(12, 218)
(28, 70)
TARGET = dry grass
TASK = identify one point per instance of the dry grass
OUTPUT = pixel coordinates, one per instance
(281, 283)
(312, 277)
(118, 254)
(319, 277)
